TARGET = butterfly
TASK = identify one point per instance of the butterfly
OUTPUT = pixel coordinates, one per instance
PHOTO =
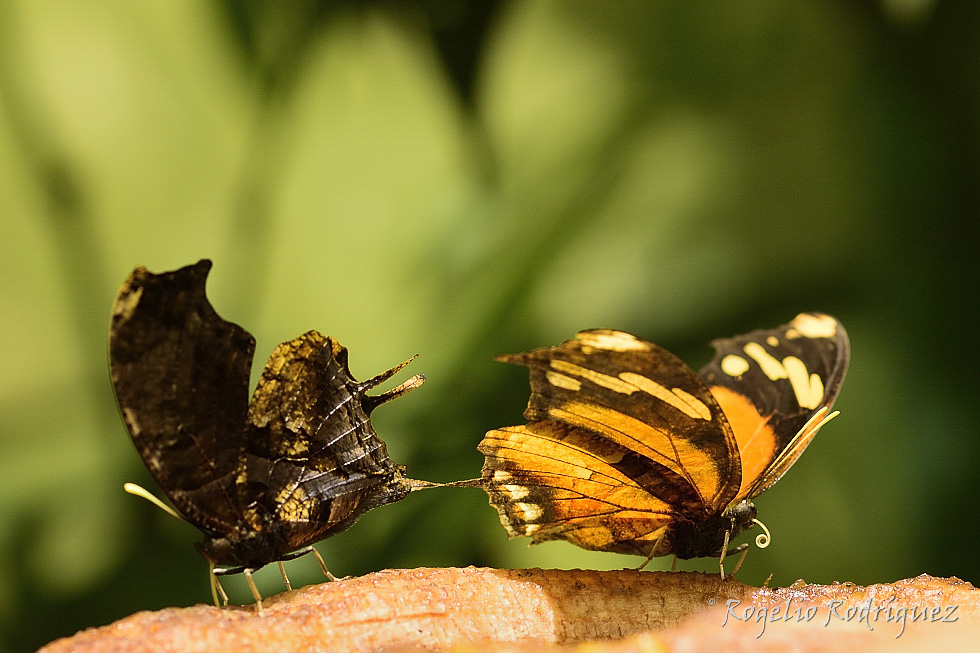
(265, 479)
(629, 450)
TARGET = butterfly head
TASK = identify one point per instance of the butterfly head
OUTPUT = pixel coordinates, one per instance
(742, 515)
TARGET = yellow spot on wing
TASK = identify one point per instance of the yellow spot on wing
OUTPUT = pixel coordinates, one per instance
(733, 365)
(773, 341)
(699, 407)
(515, 492)
(770, 366)
(816, 390)
(682, 401)
(562, 381)
(606, 381)
(808, 387)
(530, 511)
(293, 504)
(611, 341)
(815, 326)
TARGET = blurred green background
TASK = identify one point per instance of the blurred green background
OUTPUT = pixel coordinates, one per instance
(461, 180)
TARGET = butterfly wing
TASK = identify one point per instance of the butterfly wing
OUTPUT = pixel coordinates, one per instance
(180, 375)
(313, 463)
(546, 485)
(624, 438)
(776, 387)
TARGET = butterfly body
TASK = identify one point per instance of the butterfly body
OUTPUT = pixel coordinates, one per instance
(709, 537)
(629, 450)
(254, 545)
(262, 479)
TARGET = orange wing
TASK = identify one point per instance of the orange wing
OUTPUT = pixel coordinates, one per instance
(776, 387)
(624, 439)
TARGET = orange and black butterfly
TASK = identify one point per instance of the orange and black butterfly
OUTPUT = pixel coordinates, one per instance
(629, 450)
(265, 479)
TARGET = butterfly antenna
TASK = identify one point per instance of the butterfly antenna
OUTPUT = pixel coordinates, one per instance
(415, 484)
(762, 539)
(473, 482)
(140, 491)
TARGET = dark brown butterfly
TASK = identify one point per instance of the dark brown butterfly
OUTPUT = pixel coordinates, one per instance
(629, 450)
(264, 479)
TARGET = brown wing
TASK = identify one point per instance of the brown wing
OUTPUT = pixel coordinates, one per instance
(776, 387)
(312, 461)
(181, 374)
(624, 439)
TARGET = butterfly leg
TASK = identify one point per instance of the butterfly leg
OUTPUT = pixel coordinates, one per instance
(724, 551)
(285, 578)
(323, 566)
(642, 564)
(743, 550)
(673, 563)
(255, 590)
(653, 553)
(216, 588)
